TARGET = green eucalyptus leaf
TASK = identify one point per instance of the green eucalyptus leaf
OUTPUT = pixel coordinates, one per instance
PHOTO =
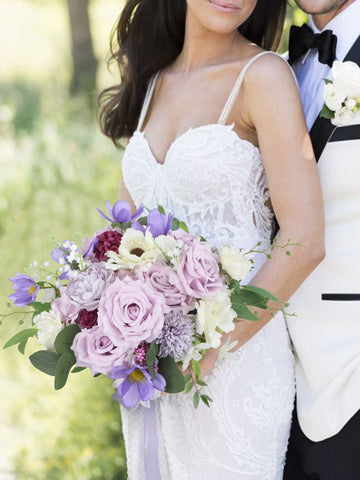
(175, 381)
(201, 382)
(196, 399)
(189, 387)
(63, 367)
(78, 369)
(187, 378)
(20, 337)
(151, 357)
(184, 227)
(243, 311)
(161, 209)
(206, 399)
(248, 297)
(41, 307)
(65, 338)
(196, 369)
(45, 361)
(175, 225)
(262, 292)
(21, 346)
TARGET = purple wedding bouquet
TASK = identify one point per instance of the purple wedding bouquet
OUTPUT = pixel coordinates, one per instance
(141, 302)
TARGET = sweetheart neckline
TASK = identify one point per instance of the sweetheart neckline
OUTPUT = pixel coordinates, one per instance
(189, 130)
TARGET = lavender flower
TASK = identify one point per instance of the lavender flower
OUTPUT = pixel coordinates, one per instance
(26, 290)
(176, 335)
(137, 385)
(120, 212)
(158, 223)
(61, 254)
(86, 289)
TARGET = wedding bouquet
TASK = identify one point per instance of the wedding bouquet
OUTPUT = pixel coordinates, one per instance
(141, 302)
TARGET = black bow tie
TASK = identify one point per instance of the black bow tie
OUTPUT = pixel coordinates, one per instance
(303, 39)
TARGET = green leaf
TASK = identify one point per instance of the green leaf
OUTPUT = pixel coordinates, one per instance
(20, 337)
(65, 338)
(78, 369)
(201, 382)
(196, 399)
(161, 209)
(175, 381)
(206, 399)
(41, 307)
(189, 387)
(248, 297)
(63, 367)
(327, 81)
(261, 291)
(184, 227)
(187, 378)
(175, 225)
(243, 311)
(142, 221)
(326, 112)
(196, 368)
(21, 346)
(45, 361)
(151, 357)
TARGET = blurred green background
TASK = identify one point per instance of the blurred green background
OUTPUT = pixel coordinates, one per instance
(55, 169)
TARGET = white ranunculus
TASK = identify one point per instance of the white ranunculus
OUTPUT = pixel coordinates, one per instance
(345, 117)
(135, 250)
(49, 324)
(347, 78)
(334, 96)
(213, 314)
(235, 263)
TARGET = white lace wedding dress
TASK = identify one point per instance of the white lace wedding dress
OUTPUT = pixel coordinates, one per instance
(215, 182)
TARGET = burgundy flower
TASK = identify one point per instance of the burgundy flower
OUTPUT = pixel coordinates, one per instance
(87, 319)
(109, 240)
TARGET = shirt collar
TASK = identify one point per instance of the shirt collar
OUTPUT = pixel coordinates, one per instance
(345, 26)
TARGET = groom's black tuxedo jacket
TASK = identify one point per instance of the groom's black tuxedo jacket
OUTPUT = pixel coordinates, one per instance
(322, 132)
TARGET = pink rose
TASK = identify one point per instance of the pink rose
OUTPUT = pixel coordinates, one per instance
(65, 308)
(131, 312)
(199, 271)
(93, 349)
(166, 281)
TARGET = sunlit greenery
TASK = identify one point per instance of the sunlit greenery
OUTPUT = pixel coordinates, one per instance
(56, 168)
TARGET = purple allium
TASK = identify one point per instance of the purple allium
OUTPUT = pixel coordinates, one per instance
(26, 290)
(120, 212)
(176, 336)
(109, 240)
(157, 223)
(86, 289)
(137, 385)
(87, 319)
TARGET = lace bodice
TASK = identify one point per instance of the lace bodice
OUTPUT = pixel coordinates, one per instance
(211, 179)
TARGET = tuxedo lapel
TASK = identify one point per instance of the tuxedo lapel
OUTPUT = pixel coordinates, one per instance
(323, 129)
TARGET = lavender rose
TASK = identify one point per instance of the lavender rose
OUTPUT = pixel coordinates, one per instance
(131, 311)
(86, 289)
(65, 308)
(199, 271)
(166, 281)
(93, 349)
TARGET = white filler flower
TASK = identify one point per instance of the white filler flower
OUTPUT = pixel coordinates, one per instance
(135, 250)
(49, 325)
(213, 314)
(235, 263)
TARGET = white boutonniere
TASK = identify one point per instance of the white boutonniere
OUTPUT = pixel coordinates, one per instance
(342, 95)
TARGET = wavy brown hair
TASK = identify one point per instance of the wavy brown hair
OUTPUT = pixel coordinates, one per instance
(148, 37)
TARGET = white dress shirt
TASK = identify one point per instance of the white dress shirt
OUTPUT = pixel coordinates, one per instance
(310, 73)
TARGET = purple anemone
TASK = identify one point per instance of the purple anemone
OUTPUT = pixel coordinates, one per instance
(137, 385)
(120, 212)
(26, 290)
(158, 223)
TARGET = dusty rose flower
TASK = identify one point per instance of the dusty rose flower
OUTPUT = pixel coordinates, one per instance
(87, 319)
(109, 240)
(199, 271)
(131, 311)
(86, 289)
(93, 349)
(65, 308)
(166, 281)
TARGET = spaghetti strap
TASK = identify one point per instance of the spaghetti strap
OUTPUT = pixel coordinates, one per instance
(147, 100)
(236, 88)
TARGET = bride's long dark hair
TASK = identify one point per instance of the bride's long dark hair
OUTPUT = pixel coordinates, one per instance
(148, 37)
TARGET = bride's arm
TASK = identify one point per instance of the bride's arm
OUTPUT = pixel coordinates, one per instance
(273, 109)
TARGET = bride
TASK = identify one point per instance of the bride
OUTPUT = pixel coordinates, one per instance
(218, 138)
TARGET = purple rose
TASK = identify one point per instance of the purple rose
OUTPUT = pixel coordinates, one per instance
(166, 281)
(199, 271)
(93, 349)
(131, 311)
(86, 289)
(67, 311)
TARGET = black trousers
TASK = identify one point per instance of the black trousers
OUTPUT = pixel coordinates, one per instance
(336, 458)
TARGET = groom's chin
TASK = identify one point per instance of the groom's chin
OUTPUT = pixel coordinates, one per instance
(321, 7)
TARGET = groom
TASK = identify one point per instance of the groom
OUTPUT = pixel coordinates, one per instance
(325, 435)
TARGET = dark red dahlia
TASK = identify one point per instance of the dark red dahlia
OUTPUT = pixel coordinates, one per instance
(109, 240)
(87, 319)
